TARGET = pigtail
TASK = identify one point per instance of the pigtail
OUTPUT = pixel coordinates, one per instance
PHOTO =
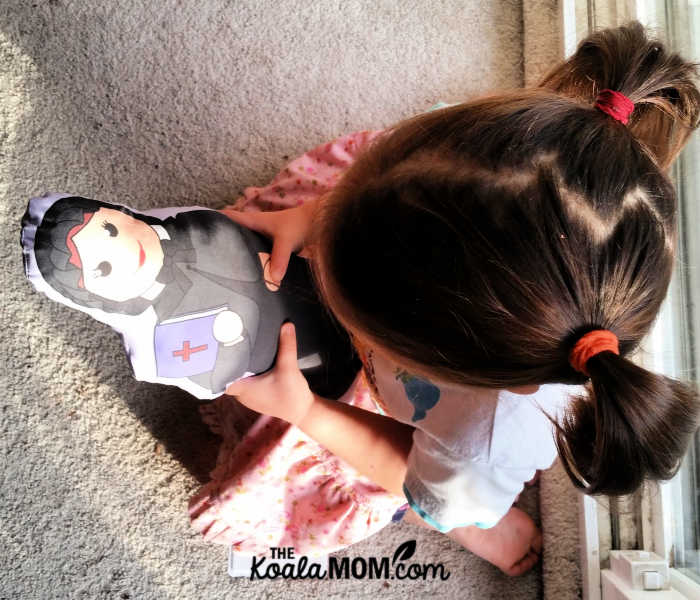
(632, 425)
(662, 85)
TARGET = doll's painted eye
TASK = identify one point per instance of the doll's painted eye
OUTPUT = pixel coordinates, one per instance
(109, 228)
(103, 269)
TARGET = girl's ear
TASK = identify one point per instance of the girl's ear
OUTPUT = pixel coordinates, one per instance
(524, 390)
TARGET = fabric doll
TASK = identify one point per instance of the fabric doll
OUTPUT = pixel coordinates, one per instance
(185, 288)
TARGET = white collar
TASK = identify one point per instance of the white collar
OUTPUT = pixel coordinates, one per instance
(154, 291)
(160, 230)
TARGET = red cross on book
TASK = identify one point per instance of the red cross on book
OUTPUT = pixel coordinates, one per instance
(186, 350)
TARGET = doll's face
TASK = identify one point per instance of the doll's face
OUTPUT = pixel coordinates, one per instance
(121, 255)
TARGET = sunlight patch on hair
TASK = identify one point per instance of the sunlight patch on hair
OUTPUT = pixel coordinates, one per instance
(580, 210)
(639, 196)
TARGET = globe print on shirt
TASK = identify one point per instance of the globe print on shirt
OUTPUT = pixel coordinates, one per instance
(420, 392)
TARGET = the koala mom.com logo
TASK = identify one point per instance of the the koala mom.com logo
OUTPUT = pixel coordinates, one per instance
(285, 565)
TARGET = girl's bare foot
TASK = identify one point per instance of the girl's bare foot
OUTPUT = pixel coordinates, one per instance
(514, 544)
(530, 483)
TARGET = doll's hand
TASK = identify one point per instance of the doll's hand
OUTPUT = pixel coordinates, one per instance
(288, 229)
(228, 328)
(281, 392)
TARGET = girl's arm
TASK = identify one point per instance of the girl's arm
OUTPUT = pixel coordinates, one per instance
(376, 446)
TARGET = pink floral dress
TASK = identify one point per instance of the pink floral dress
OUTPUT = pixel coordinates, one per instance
(273, 485)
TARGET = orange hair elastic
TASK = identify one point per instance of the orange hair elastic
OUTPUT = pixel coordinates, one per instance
(594, 342)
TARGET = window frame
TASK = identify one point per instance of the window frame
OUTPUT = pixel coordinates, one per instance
(656, 518)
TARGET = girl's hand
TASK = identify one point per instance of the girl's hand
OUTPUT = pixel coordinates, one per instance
(281, 392)
(289, 230)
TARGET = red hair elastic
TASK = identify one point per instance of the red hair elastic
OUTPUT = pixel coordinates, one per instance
(617, 105)
(594, 342)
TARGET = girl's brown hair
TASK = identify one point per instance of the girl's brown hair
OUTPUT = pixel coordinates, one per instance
(479, 242)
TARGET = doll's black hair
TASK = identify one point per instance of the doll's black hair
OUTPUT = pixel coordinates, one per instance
(53, 255)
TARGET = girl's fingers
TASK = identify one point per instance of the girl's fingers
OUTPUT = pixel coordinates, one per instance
(238, 387)
(279, 259)
(305, 252)
(267, 224)
(286, 359)
(287, 353)
(523, 565)
(537, 543)
(251, 220)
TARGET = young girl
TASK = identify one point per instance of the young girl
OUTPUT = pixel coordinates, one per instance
(486, 258)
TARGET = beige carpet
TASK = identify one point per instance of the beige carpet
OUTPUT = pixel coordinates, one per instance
(180, 102)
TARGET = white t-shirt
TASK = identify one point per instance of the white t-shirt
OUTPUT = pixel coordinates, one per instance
(473, 447)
